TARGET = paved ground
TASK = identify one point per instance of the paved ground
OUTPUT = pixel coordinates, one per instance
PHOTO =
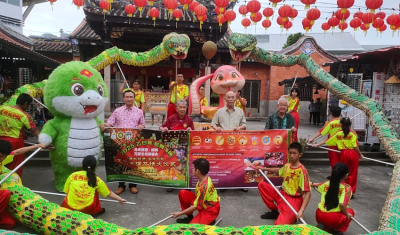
(238, 208)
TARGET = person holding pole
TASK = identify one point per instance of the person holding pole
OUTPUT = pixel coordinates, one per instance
(205, 201)
(7, 221)
(179, 91)
(331, 128)
(333, 213)
(83, 189)
(13, 122)
(346, 141)
(295, 185)
(294, 106)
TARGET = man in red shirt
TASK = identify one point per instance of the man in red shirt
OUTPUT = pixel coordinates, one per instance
(179, 121)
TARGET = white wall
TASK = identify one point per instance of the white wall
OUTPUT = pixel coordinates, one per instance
(12, 11)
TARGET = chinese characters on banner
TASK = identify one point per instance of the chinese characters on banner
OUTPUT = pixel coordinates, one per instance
(165, 159)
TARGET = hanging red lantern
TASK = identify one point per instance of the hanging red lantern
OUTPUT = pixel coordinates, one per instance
(342, 16)
(358, 14)
(280, 22)
(382, 28)
(307, 3)
(333, 22)
(367, 18)
(253, 6)
(364, 27)
(373, 4)
(344, 4)
(185, 3)
(246, 22)
(154, 13)
(222, 4)
(201, 11)
(313, 15)
(216, 10)
(193, 6)
(171, 5)
(130, 9)
(325, 26)
(288, 25)
(381, 15)
(268, 12)
(275, 2)
(355, 23)
(230, 15)
(284, 12)
(266, 24)
(378, 22)
(221, 19)
(293, 14)
(52, 1)
(104, 5)
(342, 26)
(243, 10)
(140, 4)
(79, 3)
(306, 24)
(257, 17)
(393, 20)
(177, 14)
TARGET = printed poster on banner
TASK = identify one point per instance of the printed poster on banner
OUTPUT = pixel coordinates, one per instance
(146, 157)
(235, 156)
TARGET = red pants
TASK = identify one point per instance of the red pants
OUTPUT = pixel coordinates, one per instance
(94, 208)
(171, 110)
(16, 144)
(7, 221)
(296, 123)
(186, 198)
(335, 221)
(334, 157)
(351, 159)
(270, 197)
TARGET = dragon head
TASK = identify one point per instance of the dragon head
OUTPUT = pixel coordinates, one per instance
(241, 45)
(177, 45)
(227, 78)
(75, 89)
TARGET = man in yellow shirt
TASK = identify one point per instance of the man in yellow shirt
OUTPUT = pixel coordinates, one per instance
(179, 91)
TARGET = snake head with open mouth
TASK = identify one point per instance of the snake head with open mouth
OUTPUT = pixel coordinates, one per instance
(241, 45)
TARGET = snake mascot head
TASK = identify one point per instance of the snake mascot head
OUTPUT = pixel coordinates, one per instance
(75, 94)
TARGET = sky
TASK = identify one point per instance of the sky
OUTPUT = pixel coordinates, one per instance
(64, 15)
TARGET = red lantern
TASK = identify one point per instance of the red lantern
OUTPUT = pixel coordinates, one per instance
(373, 4)
(268, 12)
(364, 27)
(140, 4)
(230, 16)
(280, 22)
(288, 25)
(333, 22)
(243, 10)
(222, 4)
(308, 3)
(378, 22)
(246, 22)
(52, 1)
(79, 3)
(266, 24)
(171, 5)
(216, 10)
(253, 6)
(293, 14)
(201, 11)
(130, 9)
(358, 14)
(381, 15)
(344, 4)
(221, 19)
(342, 26)
(313, 15)
(193, 6)
(306, 24)
(382, 28)
(202, 19)
(325, 26)
(393, 20)
(185, 3)
(367, 18)
(275, 2)
(104, 5)
(257, 17)
(355, 23)
(342, 16)
(284, 12)
(154, 13)
(177, 14)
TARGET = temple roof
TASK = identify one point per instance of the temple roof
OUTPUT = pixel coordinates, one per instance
(83, 31)
(52, 45)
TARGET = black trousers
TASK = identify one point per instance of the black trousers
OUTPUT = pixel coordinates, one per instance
(122, 185)
(316, 118)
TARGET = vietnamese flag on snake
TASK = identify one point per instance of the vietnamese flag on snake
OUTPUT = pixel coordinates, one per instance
(234, 156)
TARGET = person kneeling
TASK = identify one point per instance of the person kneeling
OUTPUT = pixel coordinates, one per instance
(205, 201)
(333, 214)
(83, 189)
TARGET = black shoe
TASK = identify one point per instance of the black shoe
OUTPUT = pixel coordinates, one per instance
(336, 233)
(212, 223)
(103, 210)
(185, 220)
(329, 177)
(270, 215)
(170, 190)
(222, 190)
(244, 190)
(352, 196)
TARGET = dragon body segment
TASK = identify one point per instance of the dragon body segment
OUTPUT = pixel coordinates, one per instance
(241, 45)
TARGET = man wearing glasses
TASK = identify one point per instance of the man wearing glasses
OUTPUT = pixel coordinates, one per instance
(281, 119)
